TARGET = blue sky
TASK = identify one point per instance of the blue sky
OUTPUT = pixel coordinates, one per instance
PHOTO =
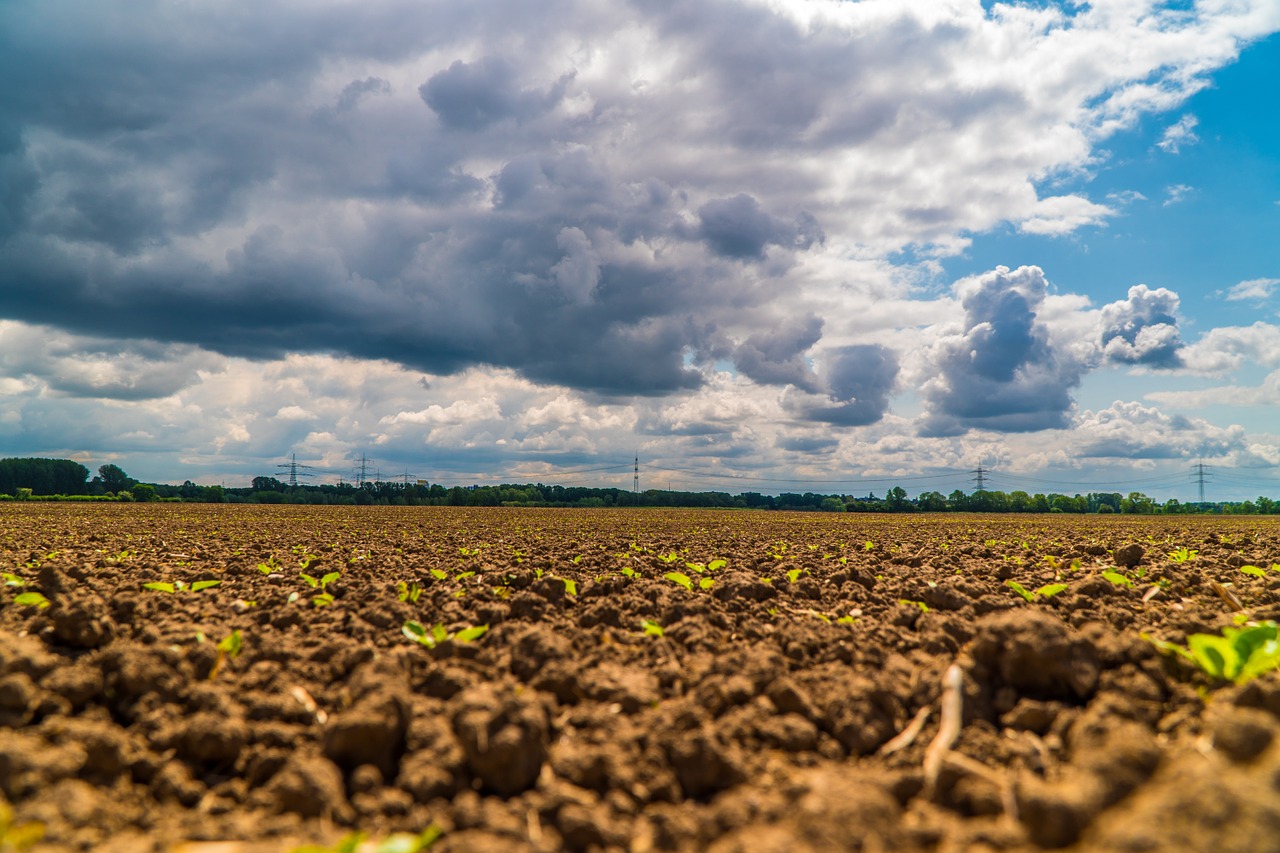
(763, 244)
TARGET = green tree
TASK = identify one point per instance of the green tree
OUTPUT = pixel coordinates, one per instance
(114, 479)
(144, 493)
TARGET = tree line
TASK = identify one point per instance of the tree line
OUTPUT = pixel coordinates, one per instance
(68, 480)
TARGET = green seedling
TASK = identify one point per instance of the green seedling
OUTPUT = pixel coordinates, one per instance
(680, 578)
(706, 583)
(31, 599)
(229, 647)
(1240, 654)
(418, 632)
(306, 561)
(651, 628)
(628, 572)
(716, 565)
(461, 576)
(1117, 579)
(1256, 571)
(669, 558)
(324, 598)
(410, 592)
(868, 545)
(17, 837)
(924, 608)
(847, 619)
(400, 842)
(271, 566)
(11, 579)
(577, 559)
(439, 574)
(1182, 555)
(793, 575)
(822, 616)
(570, 586)
(1049, 590)
(180, 586)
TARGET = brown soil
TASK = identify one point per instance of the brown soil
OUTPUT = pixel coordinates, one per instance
(768, 716)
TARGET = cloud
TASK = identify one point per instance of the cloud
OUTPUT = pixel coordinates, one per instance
(858, 380)
(1179, 134)
(777, 356)
(473, 96)
(1255, 289)
(1132, 431)
(739, 228)
(1176, 194)
(1142, 329)
(1064, 214)
(998, 370)
(1228, 348)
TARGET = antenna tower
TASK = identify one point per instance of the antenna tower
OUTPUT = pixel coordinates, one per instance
(1198, 471)
(980, 478)
(292, 467)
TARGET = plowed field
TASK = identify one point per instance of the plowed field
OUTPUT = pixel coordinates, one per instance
(784, 692)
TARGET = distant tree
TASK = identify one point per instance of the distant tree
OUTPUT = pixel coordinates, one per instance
(896, 500)
(832, 504)
(931, 502)
(267, 484)
(144, 493)
(114, 479)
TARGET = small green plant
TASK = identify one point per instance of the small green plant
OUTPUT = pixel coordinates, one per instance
(570, 586)
(868, 545)
(924, 608)
(418, 632)
(680, 578)
(706, 583)
(651, 628)
(1117, 579)
(1240, 654)
(16, 837)
(628, 572)
(793, 575)
(439, 574)
(1182, 555)
(410, 592)
(270, 566)
(1049, 590)
(31, 599)
(324, 598)
(229, 648)
(669, 558)
(11, 579)
(1258, 571)
(180, 586)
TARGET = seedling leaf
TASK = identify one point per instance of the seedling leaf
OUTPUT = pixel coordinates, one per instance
(680, 578)
(160, 586)
(467, 635)
(716, 564)
(31, 599)
(706, 583)
(1049, 590)
(651, 628)
(1021, 590)
(196, 586)
(1256, 571)
(570, 586)
(1117, 579)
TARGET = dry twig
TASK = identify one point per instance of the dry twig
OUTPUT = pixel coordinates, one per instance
(948, 728)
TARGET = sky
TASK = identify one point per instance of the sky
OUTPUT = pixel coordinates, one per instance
(761, 245)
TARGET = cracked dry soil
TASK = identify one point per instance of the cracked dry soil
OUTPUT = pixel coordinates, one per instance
(787, 707)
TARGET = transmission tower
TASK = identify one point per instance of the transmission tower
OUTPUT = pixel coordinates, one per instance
(979, 478)
(292, 467)
(635, 481)
(1198, 471)
(362, 471)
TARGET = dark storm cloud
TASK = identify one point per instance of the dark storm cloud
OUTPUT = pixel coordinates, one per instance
(1001, 372)
(472, 96)
(1143, 329)
(776, 356)
(739, 228)
(858, 380)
